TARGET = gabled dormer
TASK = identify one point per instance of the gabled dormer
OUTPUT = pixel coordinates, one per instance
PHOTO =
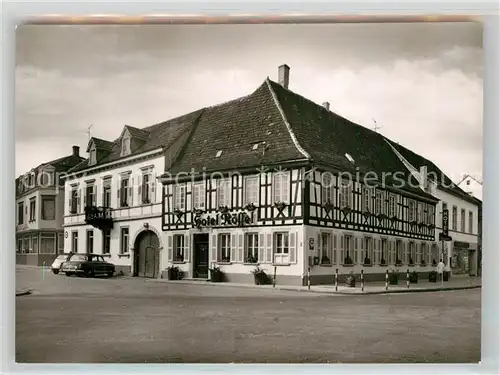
(98, 149)
(132, 139)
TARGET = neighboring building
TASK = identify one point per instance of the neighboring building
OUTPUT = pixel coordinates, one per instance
(39, 211)
(267, 190)
(462, 253)
(114, 198)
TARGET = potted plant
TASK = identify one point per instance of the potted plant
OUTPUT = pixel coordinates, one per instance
(173, 273)
(216, 275)
(251, 259)
(383, 262)
(411, 262)
(350, 280)
(198, 212)
(178, 212)
(224, 209)
(250, 207)
(325, 260)
(328, 206)
(280, 205)
(422, 263)
(367, 262)
(414, 277)
(260, 276)
(394, 277)
(347, 261)
(433, 276)
(399, 262)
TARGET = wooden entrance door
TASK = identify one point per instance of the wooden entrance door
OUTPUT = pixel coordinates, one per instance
(147, 255)
(200, 256)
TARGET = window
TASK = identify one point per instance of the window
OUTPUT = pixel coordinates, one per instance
(125, 145)
(92, 156)
(124, 241)
(420, 212)
(281, 247)
(366, 199)
(252, 248)
(413, 255)
(345, 195)
(106, 241)
(90, 241)
(60, 243)
(368, 247)
(48, 207)
(48, 243)
(32, 209)
(106, 193)
(224, 193)
(19, 245)
(430, 214)
(180, 197)
(471, 223)
(73, 201)
(34, 243)
(383, 251)
(378, 203)
(326, 248)
(89, 195)
(26, 244)
(399, 252)
(46, 178)
(392, 206)
(281, 187)
(434, 254)
(199, 196)
(224, 248)
(251, 190)
(347, 251)
(178, 248)
(454, 218)
(74, 242)
(422, 253)
(124, 191)
(146, 186)
(411, 211)
(20, 213)
(326, 188)
(462, 220)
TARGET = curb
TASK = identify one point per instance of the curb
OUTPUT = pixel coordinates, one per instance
(292, 289)
(23, 292)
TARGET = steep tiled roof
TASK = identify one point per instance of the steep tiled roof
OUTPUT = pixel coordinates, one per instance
(161, 135)
(100, 144)
(137, 133)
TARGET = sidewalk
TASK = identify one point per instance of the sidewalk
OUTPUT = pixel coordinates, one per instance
(455, 283)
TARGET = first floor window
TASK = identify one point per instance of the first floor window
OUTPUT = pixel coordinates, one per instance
(124, 192)
(224, 193)
(411, 211)
(106, 193)
(281, 187)
(74, 242)
(32, 209)
(73, 208)
(20, 213)
(252, 190)
(178, 248)
(327, 188)
(392, 205)
(326, 248)
(224, 247)
(199, 196)
(48, 208)
(90, 241)
(145, 188)
(462, 220)
(106, 241)
(471, 231)
(252, 248)
(345, 195)
(454, 218)
(368, 247)
(378, 202)
(124, 241)
(180, 197)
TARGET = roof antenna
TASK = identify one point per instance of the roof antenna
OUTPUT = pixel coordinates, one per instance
(376, 127)
(88, 131)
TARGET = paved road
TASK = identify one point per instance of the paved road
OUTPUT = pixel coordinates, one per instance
(138, 321)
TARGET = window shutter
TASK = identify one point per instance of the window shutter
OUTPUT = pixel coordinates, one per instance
(293, 248)
(131, 192)
(152, 194)
(213, 250)
(240, 248)
(78, 200)
(119, 203)
(139, 194)
(356, 250)
(234, 248)
(261, 248)
(85, 198)
(69, 202)
(170, 253)
(269, 248)
(342, 252)
(94, 196)
(187, 248)
(334, 256)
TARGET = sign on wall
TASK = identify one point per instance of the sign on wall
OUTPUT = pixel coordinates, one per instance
(445, 222)
(311, 243)
(236, 219)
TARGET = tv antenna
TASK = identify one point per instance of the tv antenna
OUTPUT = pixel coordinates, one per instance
(89, 131)
(376, 126)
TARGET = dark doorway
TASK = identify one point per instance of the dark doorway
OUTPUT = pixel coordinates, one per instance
(200, 256)
(147, 255)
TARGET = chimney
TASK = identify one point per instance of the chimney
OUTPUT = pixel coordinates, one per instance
(424, 180)
(76, 151)
(326, 105)
(284, 75)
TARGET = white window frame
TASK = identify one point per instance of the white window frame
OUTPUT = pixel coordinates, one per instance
(368, 250)
(327, 188)
(106, 235)
(345, 195)
(348, 250)
(384, 250)
(454, 218)
(367, 200)
(224, 192)
(412, 254)
(179, 197)
(224, 249)
(462, 220)
(125, 145)
(179, 248)
(378, 202)
(281, 187)
(281, 247)
(199, 196)
(392, 206)
(411, 210)
(74, 241)
(32, 210)
(251, 190)
(398, 254)
(471, 222)
(124, 191)
(93, 156)
(251, 247)
(326, 248)
(124, 240)
(89, 241)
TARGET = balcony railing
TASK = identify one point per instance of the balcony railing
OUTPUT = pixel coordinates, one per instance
(99, 217)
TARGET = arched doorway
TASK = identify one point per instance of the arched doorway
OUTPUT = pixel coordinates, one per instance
(147, 255)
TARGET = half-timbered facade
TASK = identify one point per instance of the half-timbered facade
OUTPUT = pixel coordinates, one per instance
(276, 181)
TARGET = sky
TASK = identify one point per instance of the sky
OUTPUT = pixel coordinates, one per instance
(421, 83)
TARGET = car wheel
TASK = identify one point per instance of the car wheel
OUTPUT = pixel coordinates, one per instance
(55, 272)
(68, 273)
(110, 274)
(89, 273)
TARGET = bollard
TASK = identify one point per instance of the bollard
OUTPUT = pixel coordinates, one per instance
(336, 279)
(362, 281)
(386, 279)
(274, 277)
(408, 278)
(309, 278)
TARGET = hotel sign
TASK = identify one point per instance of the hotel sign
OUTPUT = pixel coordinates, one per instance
(445, 222)
(236, 219)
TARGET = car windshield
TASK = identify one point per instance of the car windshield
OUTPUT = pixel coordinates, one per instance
(97, 258)
(78, 258)
(62, 257)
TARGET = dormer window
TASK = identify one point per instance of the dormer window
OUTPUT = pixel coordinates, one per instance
(93, 156)
(126, 145)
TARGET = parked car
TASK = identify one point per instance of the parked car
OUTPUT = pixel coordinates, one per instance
(60, 259)
(87, 265)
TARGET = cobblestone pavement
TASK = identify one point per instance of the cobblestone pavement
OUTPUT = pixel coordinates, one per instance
(69, 319)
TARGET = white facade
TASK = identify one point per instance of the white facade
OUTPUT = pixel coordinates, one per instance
(128, 221)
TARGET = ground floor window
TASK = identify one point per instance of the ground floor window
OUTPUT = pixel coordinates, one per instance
(74, 242)
(19, 245)
(399, 252)
(106, 241)
(252, 248)
(346, 249)
(26, 244)
(178, 248)
(60, 243)
(224, 254)
(368, 250)
(434, 254)
(90, 241)
(383, 251)
(423, 256)
(34, 243)
(124, 241)
(326, 248)
(48, 243)
(412, 253)
(281, 247)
